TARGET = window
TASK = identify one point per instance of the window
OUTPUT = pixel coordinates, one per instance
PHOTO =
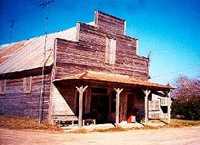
(2, 86)
(27, 84)
(110, 55)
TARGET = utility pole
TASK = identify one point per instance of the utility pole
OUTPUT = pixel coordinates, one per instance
(43, 4)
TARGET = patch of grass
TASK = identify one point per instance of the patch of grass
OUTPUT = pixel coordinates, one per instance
(25, 123)
(183, 123)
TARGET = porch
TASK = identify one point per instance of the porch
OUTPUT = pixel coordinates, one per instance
(97, 97)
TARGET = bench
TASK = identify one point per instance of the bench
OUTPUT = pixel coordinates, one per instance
(65, 119)
(89, 121)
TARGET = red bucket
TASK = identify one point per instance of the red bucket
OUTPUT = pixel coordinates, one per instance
(131, 119)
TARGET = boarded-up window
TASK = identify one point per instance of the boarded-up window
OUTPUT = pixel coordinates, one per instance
(2, 86)
(154, 105)
(164, 101)
(110, 55)
(27, 84)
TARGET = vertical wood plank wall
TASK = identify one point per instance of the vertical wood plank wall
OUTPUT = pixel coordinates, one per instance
(64, 100)
(17, 102)
(89, 54)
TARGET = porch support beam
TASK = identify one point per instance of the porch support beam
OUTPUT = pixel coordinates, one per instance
(118, 91)
(146, 92)
(159, 93)
(169, 107)
(81, 90)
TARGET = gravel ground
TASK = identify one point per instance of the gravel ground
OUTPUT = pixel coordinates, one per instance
(164, 136)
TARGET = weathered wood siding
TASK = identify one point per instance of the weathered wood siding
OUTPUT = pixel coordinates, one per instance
(123, 106)
(65, 99)
(63, 102)
(67, 91)
(16, 102)
(109, 23)
(89, 54)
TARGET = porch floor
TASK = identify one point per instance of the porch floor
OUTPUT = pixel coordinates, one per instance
(106, 126)
(110, 126)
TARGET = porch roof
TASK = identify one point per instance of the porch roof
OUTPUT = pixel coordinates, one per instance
(115, 78)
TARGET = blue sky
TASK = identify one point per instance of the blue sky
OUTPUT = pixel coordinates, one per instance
(170, 29)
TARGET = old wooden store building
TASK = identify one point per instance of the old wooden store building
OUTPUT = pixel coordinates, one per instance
(90, 71)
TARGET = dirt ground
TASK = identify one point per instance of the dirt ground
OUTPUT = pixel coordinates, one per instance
(164, 136)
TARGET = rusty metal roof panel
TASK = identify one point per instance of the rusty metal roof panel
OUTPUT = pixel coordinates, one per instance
(115, 78)
(29, 54)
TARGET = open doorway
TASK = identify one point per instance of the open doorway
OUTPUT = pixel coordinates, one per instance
(135, 106)
(99, 104)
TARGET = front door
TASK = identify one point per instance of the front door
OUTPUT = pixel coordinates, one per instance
(99, 104)
(130, 105)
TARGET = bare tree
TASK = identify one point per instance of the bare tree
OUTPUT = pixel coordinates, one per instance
(186, 89)
(186, 98)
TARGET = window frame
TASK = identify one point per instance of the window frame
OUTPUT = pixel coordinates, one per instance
(110, 51)
(3, 84)
(27, 89)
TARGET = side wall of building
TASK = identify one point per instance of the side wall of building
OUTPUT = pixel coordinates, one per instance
(15, 101)
(63, 99)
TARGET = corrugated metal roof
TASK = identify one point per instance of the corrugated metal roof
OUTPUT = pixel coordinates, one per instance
(29, 54)
(115, 78)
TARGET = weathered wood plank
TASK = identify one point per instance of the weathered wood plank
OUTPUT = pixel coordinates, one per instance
(19, 103)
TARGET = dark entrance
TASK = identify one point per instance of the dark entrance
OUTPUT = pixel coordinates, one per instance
(131, 110)
(135, 105)
(99, 104)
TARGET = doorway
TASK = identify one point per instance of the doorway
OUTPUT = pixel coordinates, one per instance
(131, 110)
(99, 104)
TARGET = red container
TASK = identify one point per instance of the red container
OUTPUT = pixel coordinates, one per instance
(131, 119)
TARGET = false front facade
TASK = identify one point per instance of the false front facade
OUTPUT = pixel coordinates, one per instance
(88, 72)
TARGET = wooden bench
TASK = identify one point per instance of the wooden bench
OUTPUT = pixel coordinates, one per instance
(65, 119)
(89, 121)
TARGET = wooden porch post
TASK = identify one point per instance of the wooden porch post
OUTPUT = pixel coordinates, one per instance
(169, 107)
(146, 92)
(81, 91)
(118, 91)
